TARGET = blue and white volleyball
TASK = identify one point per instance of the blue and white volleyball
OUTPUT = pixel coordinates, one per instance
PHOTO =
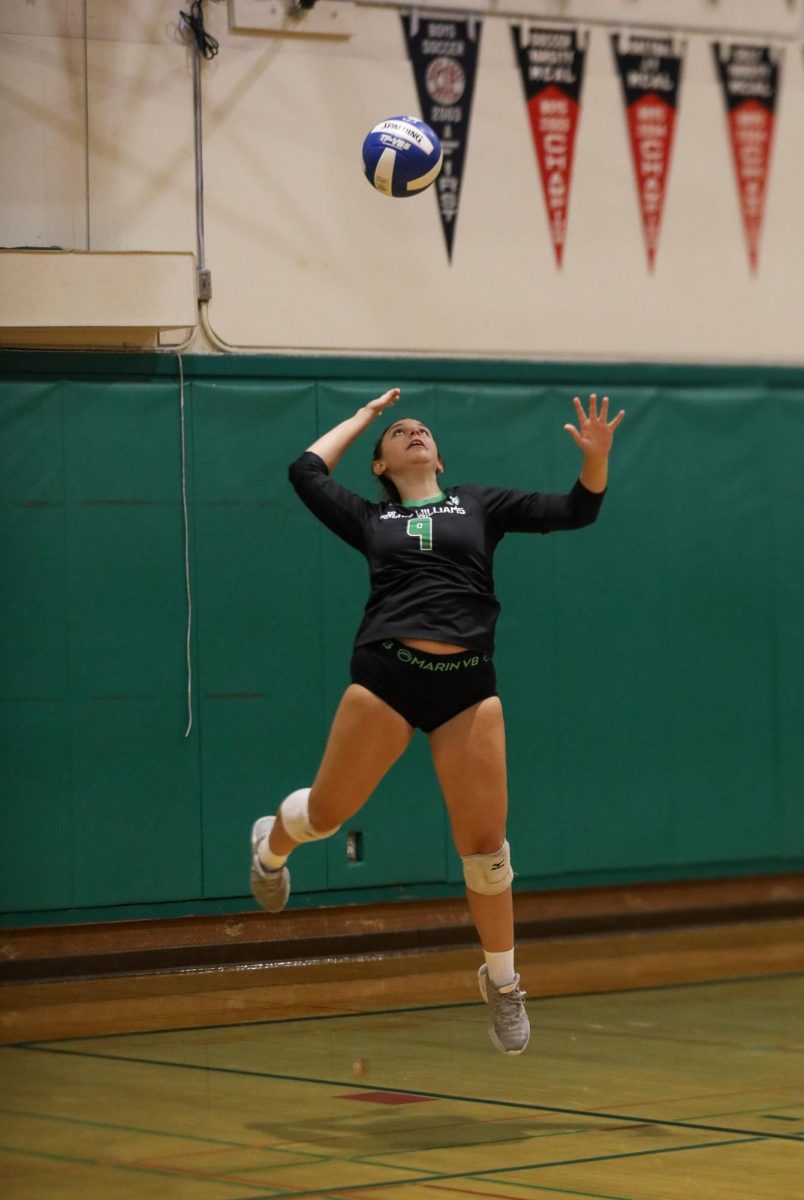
(402, 156)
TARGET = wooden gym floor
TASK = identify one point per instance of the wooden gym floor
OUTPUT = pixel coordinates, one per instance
(664, 1065)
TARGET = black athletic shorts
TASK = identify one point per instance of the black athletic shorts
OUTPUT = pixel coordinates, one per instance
(426, 689)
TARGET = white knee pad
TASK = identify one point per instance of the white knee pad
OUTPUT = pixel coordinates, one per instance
(488, 874)
(296, 819)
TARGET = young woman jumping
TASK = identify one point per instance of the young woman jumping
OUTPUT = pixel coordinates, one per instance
(423, 659)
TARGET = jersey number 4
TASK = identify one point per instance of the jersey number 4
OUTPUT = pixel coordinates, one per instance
(422, 528)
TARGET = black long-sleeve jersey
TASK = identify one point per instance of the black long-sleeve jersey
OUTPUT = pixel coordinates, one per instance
(430, 561)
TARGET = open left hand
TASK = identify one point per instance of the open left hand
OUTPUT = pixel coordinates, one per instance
(595, 434)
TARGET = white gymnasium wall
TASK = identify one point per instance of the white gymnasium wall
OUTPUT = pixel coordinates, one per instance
(96, 146)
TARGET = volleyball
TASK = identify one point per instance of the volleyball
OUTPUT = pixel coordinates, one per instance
(401, 156)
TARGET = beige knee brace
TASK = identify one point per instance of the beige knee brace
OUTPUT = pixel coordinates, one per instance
(487, 874)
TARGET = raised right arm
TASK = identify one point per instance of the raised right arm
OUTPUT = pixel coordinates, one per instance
(342, 511)
(331, 446)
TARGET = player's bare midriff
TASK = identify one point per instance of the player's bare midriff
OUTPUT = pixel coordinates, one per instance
(432, 647)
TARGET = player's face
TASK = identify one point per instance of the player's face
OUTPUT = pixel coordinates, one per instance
(408, 443)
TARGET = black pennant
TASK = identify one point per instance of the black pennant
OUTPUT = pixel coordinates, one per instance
(444, 57)
(650, 69)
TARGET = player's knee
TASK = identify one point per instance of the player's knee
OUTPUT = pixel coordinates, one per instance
(294, 811)
(488, 874)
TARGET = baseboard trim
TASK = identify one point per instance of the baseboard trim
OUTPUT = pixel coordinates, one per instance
(48, 953)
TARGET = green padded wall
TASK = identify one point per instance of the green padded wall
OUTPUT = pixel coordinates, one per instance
(649, 666)
(783, 436)
(134, 780)
(261, 716)
(34, 656)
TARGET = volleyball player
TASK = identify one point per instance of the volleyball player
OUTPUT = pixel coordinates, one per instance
(423, 659)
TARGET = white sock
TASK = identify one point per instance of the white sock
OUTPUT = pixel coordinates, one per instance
(269, 860)
(500, 966)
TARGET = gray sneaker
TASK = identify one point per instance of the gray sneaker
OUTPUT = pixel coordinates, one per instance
(269, 888)
(509, 1028)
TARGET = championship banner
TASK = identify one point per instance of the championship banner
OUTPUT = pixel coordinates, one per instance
(650, 73)
(444, 57)
(551, 64)
(750, 79)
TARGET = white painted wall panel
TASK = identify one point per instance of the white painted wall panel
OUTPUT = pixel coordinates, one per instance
(305, 256)
(42, 142)
(141, 172)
